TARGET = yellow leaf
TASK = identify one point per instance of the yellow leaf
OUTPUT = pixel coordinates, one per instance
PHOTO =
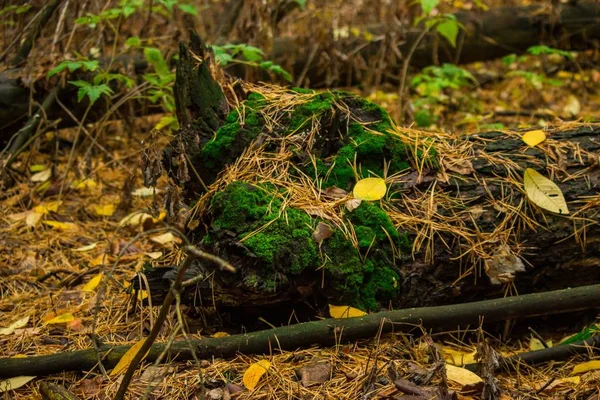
(62, 226)
(41, 176)
(165, 239)
(33, 218)
(45, 208)
(89, 247)
(145, 192)
(533, 138)
(128, 357)
(369, 189)
(104, 210)
(585, 367)
(544, 193)
(220, 334)
(15, 325)
(458, 358)
(84, 184)
(37, 168)
(93, 283)
(14, 383)
(461, 376)
(155, 255)
(135, 219)
(101, 259)
(536, 344)
(345, 312)
(60, 319)
(560, 384)
(254, 372)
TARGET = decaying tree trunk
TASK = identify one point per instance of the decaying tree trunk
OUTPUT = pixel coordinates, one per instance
(271, 190)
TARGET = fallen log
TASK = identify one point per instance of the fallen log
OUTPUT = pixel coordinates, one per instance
(271, 189)
(323, 332)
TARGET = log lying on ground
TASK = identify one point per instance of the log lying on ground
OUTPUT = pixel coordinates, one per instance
(324, 332)
(487, 35)
(279, 173)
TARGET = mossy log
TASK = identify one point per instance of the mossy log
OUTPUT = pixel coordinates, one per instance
(271, 194)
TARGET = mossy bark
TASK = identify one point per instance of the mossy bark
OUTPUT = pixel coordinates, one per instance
(375, 253)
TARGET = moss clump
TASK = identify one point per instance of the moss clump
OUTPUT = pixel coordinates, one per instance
(286, 242)
(303, 114)
(232, 138)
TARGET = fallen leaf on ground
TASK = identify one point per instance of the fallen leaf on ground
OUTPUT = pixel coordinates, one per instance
(544, 193)
(166, 239)
(15, 325)
(93, 283)
(345, 312)
(503, 265)
(14, 383)
(322, 231)
(586, 366)
(254, 372)
(533, 138)
(127, 358)
(369, 189)
(461, 375)
(42, 176)
(314, 373)
(60, 319)
(62, 226)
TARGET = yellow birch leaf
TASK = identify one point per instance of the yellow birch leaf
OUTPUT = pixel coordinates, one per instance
(84, 184)
(544, 193)
(62, 226)
(128, 357)
(533, 138)
(536, 344)
(461, 376)
(457, 357)
(369, 189)
(254, 372)
(135, 219)
(15, 325)
(93, 283)
(37, 168)
(60, 319)
(560, 384)
(220, 334)
(41, 176)
(166, 238)
(89, 247)
(33, 218)
(45, 208)
(585, 367)
(345, 312)
(101, 259)
(104, 210)
(14, 383)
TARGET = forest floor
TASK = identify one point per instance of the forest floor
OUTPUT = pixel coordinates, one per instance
(75, 232)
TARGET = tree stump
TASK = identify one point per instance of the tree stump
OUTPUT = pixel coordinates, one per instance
(271, 193)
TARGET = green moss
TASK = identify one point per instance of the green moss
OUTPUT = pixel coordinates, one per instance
(304, 113)
(232, 138)
(285, 243)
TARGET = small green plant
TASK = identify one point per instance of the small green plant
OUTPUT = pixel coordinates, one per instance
(432, 84)
(250, 55)
(536, 79)
(445, 25)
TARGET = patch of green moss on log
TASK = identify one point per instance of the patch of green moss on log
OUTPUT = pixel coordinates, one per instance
(233, 137)
(285, 241)
(304, 113)
(284, 246)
